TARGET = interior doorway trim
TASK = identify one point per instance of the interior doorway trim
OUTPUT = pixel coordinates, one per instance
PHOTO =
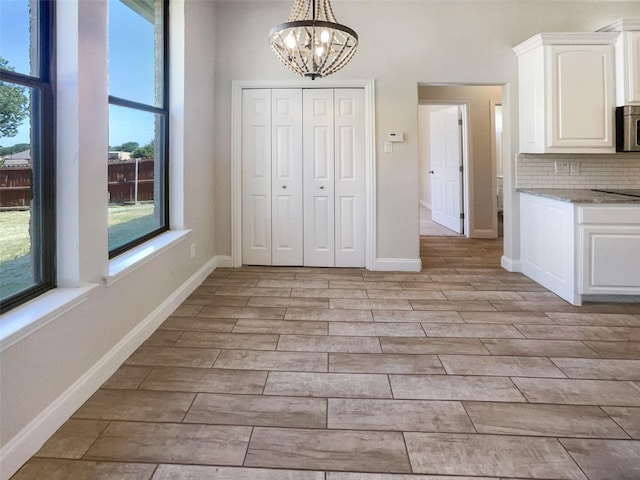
(236, 158)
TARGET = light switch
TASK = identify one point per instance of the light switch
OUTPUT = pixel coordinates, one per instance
(395, 137)
(388, 147)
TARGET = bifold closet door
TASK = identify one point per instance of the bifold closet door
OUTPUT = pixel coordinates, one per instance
(350, 182)
(334, 177)
(303, 177)
(286, 177)
(272, 177)
(256, 177)
(318, 174)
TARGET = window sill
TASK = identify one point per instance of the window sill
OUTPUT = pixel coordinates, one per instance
(123, 264)
(26, 319)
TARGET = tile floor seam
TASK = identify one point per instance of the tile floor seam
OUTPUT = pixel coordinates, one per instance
(573, 459)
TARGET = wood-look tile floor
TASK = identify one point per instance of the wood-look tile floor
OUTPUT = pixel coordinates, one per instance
(461, 371)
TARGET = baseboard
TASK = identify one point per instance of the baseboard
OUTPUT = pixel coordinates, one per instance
(425, 204)
(398, 264)
(224, 261)
(484, 233)
(29, 440)
(510, 265)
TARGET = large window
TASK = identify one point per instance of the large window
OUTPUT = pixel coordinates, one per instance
(27, 167)
(138, 122)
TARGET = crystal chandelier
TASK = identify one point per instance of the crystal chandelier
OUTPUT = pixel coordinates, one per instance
(311, 42)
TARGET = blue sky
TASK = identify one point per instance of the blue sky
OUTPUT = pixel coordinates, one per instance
(131, 66)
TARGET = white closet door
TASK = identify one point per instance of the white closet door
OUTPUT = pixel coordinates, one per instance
(286, 174)
(350, 182)
(256, 177)
(318, 173)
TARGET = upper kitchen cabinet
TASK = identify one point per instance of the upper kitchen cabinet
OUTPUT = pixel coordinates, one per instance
(567, 93)
(627, 61)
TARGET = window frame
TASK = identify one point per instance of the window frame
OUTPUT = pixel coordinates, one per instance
(43, 158)
(163, 111)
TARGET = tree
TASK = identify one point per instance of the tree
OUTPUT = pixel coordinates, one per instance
(129, 146)
(144, 152)
(18, 147)
(14, 105)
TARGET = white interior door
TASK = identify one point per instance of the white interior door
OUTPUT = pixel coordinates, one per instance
(350, 182)
(446, 163)
(256, 177)
(286, 174)
(318, 173)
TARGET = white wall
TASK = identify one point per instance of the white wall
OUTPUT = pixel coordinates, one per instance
(48, 373)
(402, 44)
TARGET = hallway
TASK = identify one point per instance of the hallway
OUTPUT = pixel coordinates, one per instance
(278, 373)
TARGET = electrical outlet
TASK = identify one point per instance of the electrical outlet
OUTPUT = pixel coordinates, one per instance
(575, 168)
(562, 167)
(193, 250)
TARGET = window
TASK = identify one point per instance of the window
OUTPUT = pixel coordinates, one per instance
(27, 147)
(138, 122)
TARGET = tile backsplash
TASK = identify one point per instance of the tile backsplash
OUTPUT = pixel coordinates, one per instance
(578, 171)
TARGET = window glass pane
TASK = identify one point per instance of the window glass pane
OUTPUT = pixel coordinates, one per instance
(136, 174)
(19, 36)
(20, 262)
(136, 50)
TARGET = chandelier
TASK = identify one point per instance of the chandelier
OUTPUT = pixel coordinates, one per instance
(311, 42)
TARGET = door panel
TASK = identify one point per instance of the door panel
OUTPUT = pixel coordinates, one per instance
(446, 160)
(350, 182)
(287, 177)
(318, 173)
(256, 177)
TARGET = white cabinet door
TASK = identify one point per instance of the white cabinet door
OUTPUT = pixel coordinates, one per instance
(446, 163)
(567, 93)
(609, 241)
(582, 96)
(256, 177)
(632, 70)
(350, 181)
(286, 174)
(318, 173)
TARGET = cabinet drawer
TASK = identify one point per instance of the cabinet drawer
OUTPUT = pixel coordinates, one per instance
(628, 214)
(610, 260)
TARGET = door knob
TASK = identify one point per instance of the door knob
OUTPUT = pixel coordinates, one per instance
(431, 172)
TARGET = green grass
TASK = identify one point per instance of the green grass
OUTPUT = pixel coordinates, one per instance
(125, 222)
(15, 252)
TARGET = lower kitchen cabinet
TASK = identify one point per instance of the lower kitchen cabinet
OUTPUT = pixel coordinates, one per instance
(581, 251)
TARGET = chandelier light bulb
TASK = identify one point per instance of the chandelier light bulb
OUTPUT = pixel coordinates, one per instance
(312, 43)
(290, 41)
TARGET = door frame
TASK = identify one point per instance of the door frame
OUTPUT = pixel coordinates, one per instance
(467, 186)
(237, 87)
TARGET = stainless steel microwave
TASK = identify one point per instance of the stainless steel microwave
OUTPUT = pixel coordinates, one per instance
(628, 128)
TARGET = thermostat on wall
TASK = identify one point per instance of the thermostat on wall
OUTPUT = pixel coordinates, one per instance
(395, 137)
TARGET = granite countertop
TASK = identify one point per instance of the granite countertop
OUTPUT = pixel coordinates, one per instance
(580, 195)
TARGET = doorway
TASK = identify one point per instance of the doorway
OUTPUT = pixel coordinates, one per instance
(443, 153)
(478, 180)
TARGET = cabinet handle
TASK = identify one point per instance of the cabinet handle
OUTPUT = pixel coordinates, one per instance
(284, 186)
(322, 188)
